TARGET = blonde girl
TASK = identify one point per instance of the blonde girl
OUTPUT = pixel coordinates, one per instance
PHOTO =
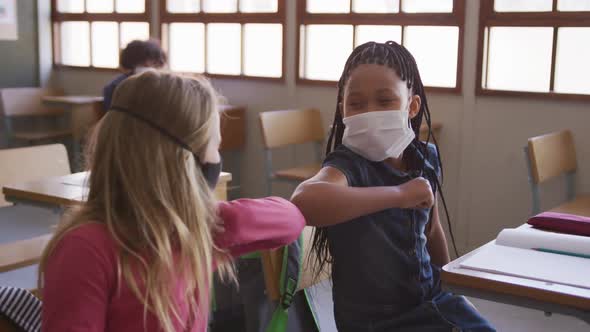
(140, 253)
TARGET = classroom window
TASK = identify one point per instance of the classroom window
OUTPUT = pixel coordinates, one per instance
(534, 47)
(91, 33)
(227, 38)
(432, 30)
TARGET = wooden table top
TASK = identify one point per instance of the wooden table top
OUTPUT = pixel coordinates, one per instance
(454, 275)
(60, 191)
(72, 100)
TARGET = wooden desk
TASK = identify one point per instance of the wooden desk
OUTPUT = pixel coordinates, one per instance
(71, 189)
(580, 206)
(539, 295)
(85, 111)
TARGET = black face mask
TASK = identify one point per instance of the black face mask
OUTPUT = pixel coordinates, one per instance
(211, 171)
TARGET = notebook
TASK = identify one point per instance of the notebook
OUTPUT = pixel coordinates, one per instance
(517, 252)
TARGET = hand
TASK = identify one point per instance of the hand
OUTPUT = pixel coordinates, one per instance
(416, 194)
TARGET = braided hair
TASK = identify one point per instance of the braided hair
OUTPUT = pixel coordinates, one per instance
(398, 58)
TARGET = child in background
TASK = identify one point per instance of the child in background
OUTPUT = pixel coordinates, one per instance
(374, 203)
(139, 254)
(137, 57)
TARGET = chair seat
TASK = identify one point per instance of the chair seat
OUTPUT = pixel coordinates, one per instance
(41, 134)
(298, 173)
(579, 206)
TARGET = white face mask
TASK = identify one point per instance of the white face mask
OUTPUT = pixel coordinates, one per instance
(378, 135)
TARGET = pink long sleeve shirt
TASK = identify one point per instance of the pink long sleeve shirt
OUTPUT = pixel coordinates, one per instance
(80, 283)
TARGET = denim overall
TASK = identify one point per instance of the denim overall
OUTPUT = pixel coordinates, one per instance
(382, 276)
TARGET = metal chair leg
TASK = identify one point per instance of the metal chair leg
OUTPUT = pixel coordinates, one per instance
(536, 203)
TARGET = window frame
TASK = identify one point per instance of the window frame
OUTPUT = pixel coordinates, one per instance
(555, 19)
(278, 17)
(454, 18)
(57, 18)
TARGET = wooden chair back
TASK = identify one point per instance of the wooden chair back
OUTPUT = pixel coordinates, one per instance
(551, 155)
(282, 128)
(233, 127)
(32, 163)
(27, 101)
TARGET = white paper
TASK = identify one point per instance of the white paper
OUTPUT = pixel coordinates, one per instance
(531, 264)
(76, 182)
(531, 238)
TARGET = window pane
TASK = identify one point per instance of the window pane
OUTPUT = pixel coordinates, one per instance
(520, 58)
(375, 6)
(70, 6)
(302, 39)
(263, 50)
(224, 48)
(259, 6)
(572, 68)
(183, 6)
(75, 46)
(427, 6)
(99, 6)
(130, 6)
(523, 5)
(105, 51)
(435, 49)
(328, 6)
(378, 33)
(573, 5)
(187, 47)
(323, 61)
(131, 31)
(484, 72)
(220, 6)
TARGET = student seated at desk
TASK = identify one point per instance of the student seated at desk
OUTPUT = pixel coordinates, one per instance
(138, 56)
(374, 203)
(139, 254)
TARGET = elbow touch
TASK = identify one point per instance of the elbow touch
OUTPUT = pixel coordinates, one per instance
(300, 201)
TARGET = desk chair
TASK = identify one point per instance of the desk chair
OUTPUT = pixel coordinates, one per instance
(32, 163)
(549, 156)
(233, 142)
(22, 253)
(13, 256)
(18, 103)
(290, 128)
(20, 222)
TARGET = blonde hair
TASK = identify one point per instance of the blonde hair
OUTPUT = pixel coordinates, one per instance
(152, 196)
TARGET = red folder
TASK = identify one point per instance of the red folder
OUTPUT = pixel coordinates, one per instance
(562, 222)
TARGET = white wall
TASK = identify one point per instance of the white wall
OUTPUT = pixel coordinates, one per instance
(481, 140)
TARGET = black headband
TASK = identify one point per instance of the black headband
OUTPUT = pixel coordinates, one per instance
(154, 126)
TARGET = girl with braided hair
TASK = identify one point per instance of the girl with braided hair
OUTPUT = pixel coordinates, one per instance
(374, 203)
